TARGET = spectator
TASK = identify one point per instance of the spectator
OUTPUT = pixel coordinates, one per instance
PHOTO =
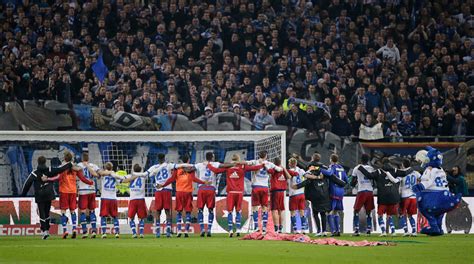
(373, 99)
(389, 52)
(459, 128)
(341, 125)
(295, 117)
(392, 132)
(355, 124)
(406, 126)
(279, 119)
(263, 119)
(457, 182)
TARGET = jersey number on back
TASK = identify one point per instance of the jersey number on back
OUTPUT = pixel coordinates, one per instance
(136, 183)
(109, 183)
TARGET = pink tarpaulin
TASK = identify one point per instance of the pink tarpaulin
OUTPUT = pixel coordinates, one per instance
(305, 239)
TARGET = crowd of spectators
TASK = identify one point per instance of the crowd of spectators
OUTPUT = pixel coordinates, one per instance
(407, 64)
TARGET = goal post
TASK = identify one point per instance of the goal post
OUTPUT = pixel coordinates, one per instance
(19, 149)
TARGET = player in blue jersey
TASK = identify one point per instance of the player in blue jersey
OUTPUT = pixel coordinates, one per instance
(336, 192)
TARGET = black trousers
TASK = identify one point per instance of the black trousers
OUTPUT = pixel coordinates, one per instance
(44, 208)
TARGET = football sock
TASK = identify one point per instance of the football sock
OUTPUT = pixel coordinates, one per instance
(293, 223)
(157, 227)
(103, 224)
(178, 221)
(264, 220)
(238, 217)
(64, 222)
(403, 223)
(304, 222)
(116, 225)
(188, 221)
(74, 221)
(201, 220)
(331, 223)
(255, 220)
(83, 220)
(168, 226)
(336, 222)
(230, 223)
(412, 224)
(93, 219)
(356, 222)
(369, 221)
(390, 223)
(133, 227)
(382, 224)
(210, 220)
(141, 225)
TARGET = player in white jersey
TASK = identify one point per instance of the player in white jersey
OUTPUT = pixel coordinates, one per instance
(260, 182)
(297, 198)
(161, 172)
(408, 203)
(108, 199)
(137, 205)
(87, 197)
(365, 194)
(206, 193)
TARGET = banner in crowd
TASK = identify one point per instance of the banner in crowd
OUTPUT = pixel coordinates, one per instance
(19, 216)
(371, 133)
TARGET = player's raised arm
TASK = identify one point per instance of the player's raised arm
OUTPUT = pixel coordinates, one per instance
(371, 175)
(391, 178)
(54, 171)
(253, 168)
(217, 170)
(402, 172)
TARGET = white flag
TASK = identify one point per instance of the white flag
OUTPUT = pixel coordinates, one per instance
(371, 133)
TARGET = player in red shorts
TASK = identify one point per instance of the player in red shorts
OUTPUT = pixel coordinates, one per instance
(365, 195)
(235, 177)
(297, 198)
(408, 206)
(86, 192)
(68, 193)
(184, 179)
(278, 187)
(206, 193)
(161, 172)
(137, 205)
(260, 181)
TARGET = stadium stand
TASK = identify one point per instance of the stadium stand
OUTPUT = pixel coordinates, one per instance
(407, 65)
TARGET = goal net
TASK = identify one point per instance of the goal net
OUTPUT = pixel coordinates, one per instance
(19, 150)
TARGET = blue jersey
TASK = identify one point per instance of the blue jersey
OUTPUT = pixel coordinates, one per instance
(336, 191)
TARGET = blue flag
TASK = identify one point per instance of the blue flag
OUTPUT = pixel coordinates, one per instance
(99, 68)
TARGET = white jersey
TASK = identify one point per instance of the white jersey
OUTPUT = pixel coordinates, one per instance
(205, 174)
(108, 190)
(363, 183)
(407, 183)
(297, 180)
(137, 188)
(83, 187)
(434, 179)
(161, 173)
(261, 178)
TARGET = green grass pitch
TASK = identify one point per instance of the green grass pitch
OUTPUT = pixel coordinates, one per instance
(221, 249)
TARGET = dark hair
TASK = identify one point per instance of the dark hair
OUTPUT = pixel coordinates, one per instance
(161, 157)
(41, 160)
(137, 168)
(316, 157)
(365, 158)
(334, 158)
(406, 163)
(277, 161)
(185, 158)
(209, 156)
(262, 154)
